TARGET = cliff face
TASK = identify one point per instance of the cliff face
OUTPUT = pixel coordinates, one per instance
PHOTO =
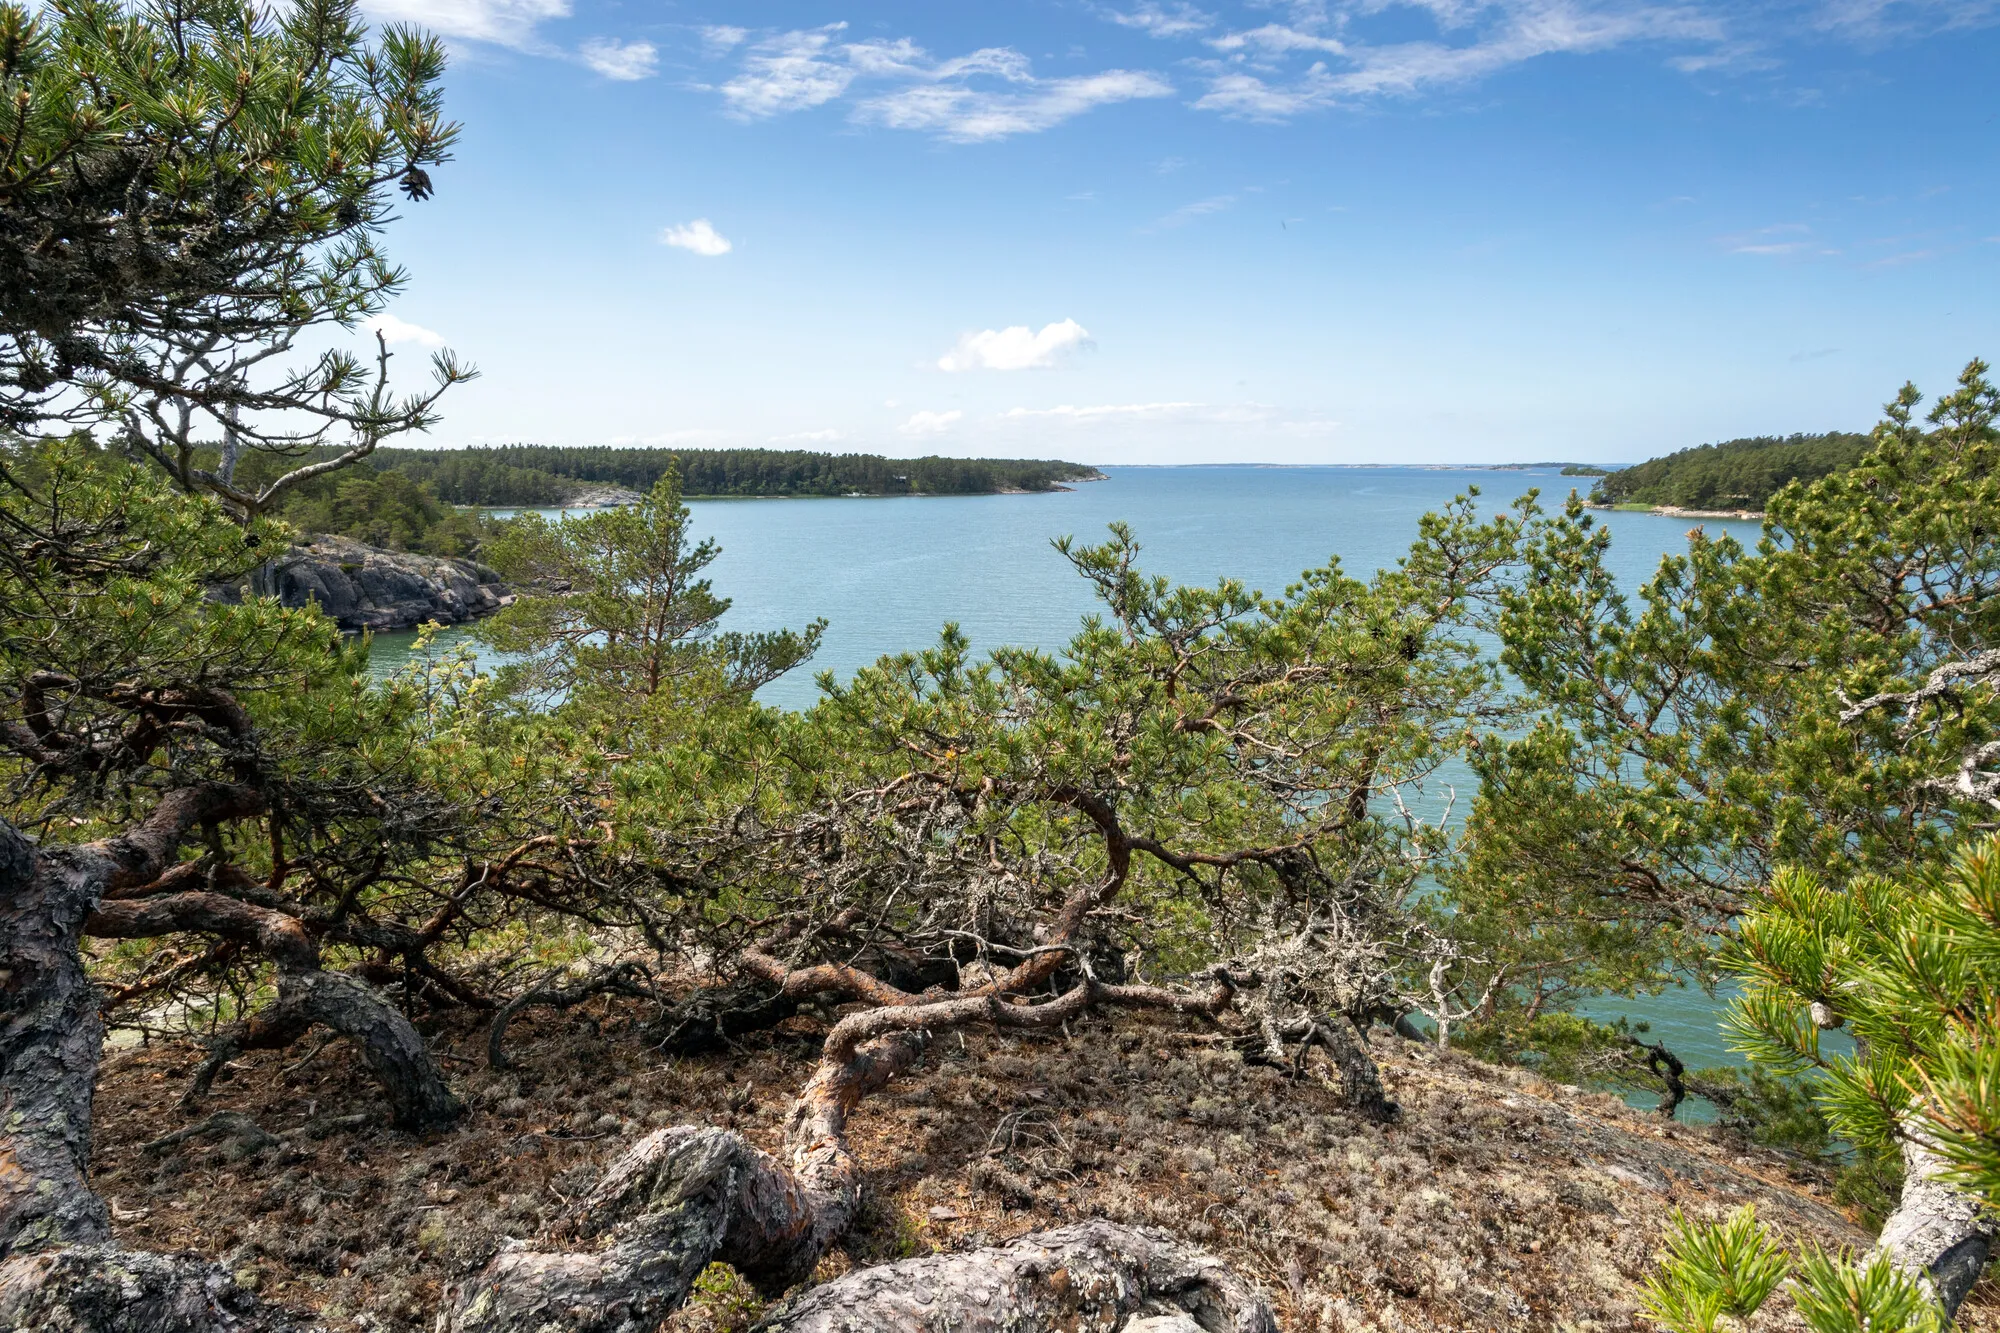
(366, 587)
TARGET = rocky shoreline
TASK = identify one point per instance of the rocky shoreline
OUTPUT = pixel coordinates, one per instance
(1676, 511)
(364, 587)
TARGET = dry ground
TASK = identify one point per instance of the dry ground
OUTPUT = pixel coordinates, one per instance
(1498, 1202)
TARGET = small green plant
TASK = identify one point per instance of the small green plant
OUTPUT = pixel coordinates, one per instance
(1713, 1270)
(1837, 1295)
(721, 1301)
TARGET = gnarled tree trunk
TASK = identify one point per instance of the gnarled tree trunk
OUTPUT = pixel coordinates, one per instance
(1939, 1232)
(395, 1050)
(59, 1270)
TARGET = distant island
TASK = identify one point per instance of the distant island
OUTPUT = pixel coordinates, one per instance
(1567, 469)
(544, 474)
(1735, 477)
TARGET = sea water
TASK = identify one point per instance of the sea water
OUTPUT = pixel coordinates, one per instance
(888, 573)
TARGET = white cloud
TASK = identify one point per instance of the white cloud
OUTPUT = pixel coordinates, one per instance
(1254, 83)
(720, 38)
(808, 437)
(987, 94)
(1016, 348)
(1276, 38)
(789, 72)
(1156, 20)
(697, 236)
(930, 423)
(968, 115)
(395, 330)
(623, 61)
(502, 22)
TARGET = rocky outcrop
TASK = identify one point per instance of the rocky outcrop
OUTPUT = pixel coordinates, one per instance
(366, 587)
(602, 497)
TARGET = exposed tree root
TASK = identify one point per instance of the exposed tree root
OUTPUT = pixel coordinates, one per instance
(105, 1289)
(1095, 1275)
(687, 1196)
(307, 995)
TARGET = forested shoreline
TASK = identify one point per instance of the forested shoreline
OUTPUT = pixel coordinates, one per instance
(540, 474)
(1740, 474)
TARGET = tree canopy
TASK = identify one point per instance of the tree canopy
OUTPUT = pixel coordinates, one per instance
(189, 187)
(1735, 474)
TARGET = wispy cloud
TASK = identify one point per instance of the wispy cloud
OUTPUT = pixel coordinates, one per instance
(720, 37)
(788, 72)
(1874, 20)
(1274, 38)
(1169, 20)
(969, 115)
(930, 423)
(517, 25)
(987, 94)
(1016, 348)
(697, 237)
(809, 437)
(622, 61)
(501, 22)
(1187, 213)
(1783, 238)
(394, 330)
(1475, 39)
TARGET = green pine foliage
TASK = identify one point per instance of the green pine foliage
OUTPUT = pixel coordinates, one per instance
(1735, 474)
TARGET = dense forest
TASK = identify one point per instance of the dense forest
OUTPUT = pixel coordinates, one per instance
(543, 474)
(1735, 474)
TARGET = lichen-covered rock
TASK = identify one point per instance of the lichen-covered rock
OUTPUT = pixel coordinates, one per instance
(366, 587)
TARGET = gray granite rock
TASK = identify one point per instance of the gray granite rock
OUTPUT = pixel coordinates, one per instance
(366, 587)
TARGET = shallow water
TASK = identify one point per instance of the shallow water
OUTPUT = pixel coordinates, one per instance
(887, 573)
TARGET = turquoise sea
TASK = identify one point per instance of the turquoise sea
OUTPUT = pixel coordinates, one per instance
(887, 573)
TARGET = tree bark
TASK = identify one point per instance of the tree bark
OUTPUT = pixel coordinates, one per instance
(395, 1050)
(59, 1270)
(1094, 1275)
(1938, 1233)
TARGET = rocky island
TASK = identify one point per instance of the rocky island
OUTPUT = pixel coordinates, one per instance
(365, 587)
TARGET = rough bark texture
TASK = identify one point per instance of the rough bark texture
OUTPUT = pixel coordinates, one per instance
(48, 1047)
(683, 1198)
(58, 1270)
(103, 1289)
(1093, 1276)
(1938, 1231)
(680, 1199)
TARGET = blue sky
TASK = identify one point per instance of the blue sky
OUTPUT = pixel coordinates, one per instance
(1346, 231)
